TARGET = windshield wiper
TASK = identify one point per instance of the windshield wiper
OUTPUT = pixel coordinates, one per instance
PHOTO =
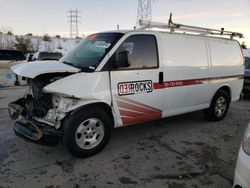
(84, 69)
(87, 69)
(68, 63)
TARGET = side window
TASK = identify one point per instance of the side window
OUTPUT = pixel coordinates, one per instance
(224, 52)
(142, 51)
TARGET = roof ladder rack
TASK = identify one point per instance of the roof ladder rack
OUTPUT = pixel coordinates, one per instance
(172, 27)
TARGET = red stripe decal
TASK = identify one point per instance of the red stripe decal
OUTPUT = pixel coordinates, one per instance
(138, 104)
(133, 112)
(178, 83)
(140, 119)
(129, 113)
(92, 37)
(133, 107)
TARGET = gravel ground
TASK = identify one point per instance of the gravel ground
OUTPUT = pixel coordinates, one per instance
(177, 152)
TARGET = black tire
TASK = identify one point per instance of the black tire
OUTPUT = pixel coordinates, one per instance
(211, 113)
(71, 126)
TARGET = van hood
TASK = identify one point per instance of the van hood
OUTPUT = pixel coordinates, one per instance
(33, 69)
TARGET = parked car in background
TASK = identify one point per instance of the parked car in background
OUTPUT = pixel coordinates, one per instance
(246, 87)
(9, 58)
(43, 56)
(29, 56)
(242, 171)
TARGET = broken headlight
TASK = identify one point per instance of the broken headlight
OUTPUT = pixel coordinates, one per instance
(246, 141)
(63, 103)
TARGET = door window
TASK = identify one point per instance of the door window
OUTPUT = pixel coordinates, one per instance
(142, 52)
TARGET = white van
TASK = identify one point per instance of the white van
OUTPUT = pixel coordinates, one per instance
(119, 78)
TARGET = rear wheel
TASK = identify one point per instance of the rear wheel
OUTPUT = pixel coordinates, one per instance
(218, 107)
(87, 131)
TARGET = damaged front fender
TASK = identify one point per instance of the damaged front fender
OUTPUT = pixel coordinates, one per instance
(84, 86)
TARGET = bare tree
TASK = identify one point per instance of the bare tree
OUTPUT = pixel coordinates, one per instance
(24, 44)
(9, 33)
(59, 46)
(3, 30)
(29, 34)
(36, 43)
(1, 42)
(243, 45)
(9, 43)
(46, 38)
(47, 43)
(49, 46)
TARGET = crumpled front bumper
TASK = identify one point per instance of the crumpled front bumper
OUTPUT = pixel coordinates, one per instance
(32, 131)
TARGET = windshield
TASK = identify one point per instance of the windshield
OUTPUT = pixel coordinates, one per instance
(247, 62)
(88, 54)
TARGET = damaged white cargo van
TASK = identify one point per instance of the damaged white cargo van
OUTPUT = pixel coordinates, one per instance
(119, 78)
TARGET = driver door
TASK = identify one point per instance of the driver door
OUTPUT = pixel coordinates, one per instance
(133, 94)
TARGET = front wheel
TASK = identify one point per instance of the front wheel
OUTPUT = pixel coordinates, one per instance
(218, 107)
(87, 131)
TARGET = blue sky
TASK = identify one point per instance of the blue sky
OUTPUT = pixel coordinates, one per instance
(50, 16)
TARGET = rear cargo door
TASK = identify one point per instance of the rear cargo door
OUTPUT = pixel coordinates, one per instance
(134, 97)
(185, 77)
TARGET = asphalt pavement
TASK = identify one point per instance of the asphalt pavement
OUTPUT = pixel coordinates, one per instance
(178, 152)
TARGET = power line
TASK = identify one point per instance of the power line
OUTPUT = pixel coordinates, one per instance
(144, 10)
(74, 19)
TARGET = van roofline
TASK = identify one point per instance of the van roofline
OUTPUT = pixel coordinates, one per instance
(168, 32)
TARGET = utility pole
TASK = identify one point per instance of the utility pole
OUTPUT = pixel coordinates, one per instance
(144, 10)
(74, 20)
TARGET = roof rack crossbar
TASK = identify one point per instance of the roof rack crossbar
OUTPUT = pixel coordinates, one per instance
(145, 24)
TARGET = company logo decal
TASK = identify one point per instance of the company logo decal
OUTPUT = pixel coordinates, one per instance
(136, 87)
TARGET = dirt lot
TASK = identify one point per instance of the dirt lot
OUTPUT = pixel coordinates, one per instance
(178, 152)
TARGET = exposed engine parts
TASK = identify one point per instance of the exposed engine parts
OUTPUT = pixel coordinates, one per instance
(38, 103)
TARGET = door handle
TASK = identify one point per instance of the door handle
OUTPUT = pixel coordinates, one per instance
(161, 77)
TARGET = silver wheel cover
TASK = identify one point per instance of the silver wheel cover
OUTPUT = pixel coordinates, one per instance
(89, 133)
(220, 106)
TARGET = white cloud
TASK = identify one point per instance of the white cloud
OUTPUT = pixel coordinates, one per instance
(206, 13)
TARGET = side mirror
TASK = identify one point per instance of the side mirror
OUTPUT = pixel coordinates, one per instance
(122, 59)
